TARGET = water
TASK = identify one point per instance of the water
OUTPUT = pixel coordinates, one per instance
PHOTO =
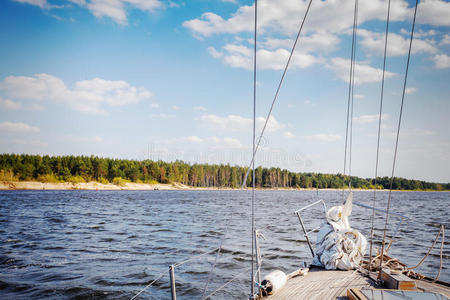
(110, 244)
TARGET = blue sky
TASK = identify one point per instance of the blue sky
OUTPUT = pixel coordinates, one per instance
(172, 80)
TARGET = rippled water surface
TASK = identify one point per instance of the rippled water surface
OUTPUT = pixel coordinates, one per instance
(111, 244)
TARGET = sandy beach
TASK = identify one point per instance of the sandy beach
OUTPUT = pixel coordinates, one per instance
(131, 186)
(34, 185)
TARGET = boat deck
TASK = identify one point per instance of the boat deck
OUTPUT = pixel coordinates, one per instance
(322, 284)
(333, 284)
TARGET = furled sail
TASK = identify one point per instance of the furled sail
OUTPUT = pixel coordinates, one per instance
(339, 246)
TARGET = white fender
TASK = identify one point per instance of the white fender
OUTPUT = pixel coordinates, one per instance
(274, 281)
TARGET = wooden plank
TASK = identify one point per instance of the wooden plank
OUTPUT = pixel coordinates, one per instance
(397, 281)
(320, 284)
(427, 286)
(331, 284)
(355, 294)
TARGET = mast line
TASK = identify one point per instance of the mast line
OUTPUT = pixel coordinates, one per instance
(396, 141)
(379, 135)
(253, 160)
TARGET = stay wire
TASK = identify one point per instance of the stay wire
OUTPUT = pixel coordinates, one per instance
(397, 138)
(379, 134)
(276, 94)
(353, 88)
(350, 84)
(149, 285)
(253, 160)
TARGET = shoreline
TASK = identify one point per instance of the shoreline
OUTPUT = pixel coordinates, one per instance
(131, 186)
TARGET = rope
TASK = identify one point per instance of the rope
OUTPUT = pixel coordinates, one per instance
(441, 229)
(442, 254)
(276, 94)
(194, 257)
(253, 160)
(379, 133)
(225, 284)
(350, 92)
(149, 285)
(218, 251)
(398, 134)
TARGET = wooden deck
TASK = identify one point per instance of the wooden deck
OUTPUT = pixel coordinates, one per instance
(333, 284)
(322, 284)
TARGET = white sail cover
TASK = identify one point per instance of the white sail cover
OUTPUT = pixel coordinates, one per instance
(339, 246)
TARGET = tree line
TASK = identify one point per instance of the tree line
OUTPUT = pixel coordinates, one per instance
(24, 167)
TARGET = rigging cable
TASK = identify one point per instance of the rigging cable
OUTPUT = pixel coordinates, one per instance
(350, 93)
(353, 87)
(276, 95)
(396, 141)
(379, 134)
(352, 56)
(253, 160)
(244, 183)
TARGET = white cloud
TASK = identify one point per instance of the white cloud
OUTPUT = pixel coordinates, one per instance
(214, 53)
(154, 105)
(289, 135)
(163, 116)
(200, 108)
(419, 33)
(315, 42)
(434, 12)
(113, 9)
(445, 40)
(441, 61)
(410, 90)
(87, 95)
(79, 2)
(193, 139)
(231, 142)
(397, 44)
(366, 119)
(322, 137)
(41, 3)
(17, 127)
(175, 107)
(8, 104)
(359, 96)
(283, 17)
(240, 56)
(238, 123)
(363, 72)
(117, 9)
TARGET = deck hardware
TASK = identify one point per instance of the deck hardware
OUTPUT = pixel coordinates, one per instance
(257, 234)
(173, 291)
(306, 232)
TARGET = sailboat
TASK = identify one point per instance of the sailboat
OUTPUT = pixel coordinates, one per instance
(341, 269)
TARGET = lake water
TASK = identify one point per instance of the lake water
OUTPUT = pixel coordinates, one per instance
(111, 244)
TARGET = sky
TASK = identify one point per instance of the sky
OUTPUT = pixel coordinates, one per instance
(166, 79)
